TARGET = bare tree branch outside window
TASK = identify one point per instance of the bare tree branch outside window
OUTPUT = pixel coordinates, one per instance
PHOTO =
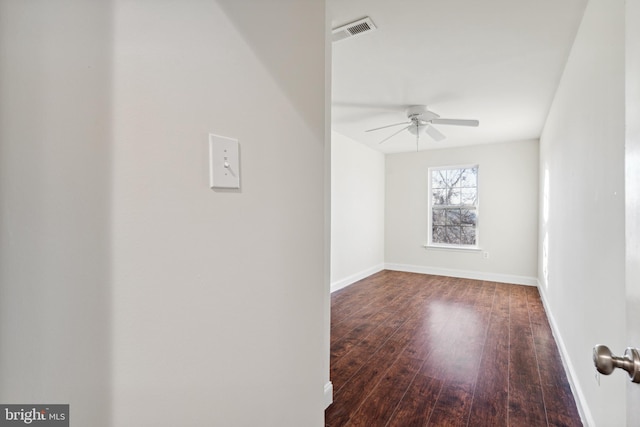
(454, 200)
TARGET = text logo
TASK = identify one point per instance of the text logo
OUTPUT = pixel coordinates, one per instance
(34, 415)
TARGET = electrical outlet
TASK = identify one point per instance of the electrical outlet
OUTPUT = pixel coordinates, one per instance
(485, 255)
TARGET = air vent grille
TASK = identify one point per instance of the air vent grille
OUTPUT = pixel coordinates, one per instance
(359, 27)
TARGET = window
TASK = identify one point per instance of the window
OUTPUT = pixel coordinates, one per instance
(453, 206)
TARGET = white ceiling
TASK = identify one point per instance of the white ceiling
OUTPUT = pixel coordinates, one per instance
(498, 61)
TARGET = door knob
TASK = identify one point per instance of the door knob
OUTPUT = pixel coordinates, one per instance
(606, 362)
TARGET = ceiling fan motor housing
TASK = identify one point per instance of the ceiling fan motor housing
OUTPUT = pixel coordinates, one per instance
(416, 110)
(420, 112)
(420, 117)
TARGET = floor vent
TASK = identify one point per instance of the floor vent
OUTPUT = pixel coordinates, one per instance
(359, 27)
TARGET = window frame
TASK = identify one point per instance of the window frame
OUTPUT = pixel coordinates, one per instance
(430, 243)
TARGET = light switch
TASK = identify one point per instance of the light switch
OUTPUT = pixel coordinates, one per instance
(224, 162)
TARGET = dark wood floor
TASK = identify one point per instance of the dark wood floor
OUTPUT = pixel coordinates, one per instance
(416, 350)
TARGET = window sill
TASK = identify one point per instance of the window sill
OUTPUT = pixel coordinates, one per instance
(454, 248)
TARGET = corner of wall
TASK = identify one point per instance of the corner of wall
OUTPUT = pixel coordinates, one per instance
(350, 280)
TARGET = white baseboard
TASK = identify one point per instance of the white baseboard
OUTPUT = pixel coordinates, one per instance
(343, 283)
(581, 401)
(464, 274)
(328, 394)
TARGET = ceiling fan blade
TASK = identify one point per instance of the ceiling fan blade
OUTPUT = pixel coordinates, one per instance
(435, 134)
(394, 134)
(455, 122)
(388, 126)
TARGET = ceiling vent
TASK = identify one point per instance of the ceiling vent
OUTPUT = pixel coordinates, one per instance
(361, 26)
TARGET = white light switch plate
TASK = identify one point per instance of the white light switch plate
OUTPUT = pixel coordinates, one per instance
(224, 162)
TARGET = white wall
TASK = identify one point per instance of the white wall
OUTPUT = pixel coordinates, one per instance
(357, 210)
(508, 214)
(129, 288)
(219, 295)
(582, 212)
(55, 172)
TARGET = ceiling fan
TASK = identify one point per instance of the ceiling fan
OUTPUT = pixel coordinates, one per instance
(420, 120)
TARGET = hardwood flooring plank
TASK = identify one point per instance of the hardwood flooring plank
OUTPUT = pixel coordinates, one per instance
(458, 347)
(417, 404)
(453, 405)
(368, 325)
(350, 396)
(502, 307)
(344, 368)
(549, 362)
(526, 402)
(361, 305)
(359, 354)
(490, 399)
(559, 402)
(348, 300)
(561, 406)
(413, 350)
(377, 409)
(440, 345)
(428, 323)
(470, 340)
(362, 375)
(466, 335)
(388, 299)
(525, 405)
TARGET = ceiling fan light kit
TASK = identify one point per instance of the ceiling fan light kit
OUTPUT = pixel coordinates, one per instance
(420, 121)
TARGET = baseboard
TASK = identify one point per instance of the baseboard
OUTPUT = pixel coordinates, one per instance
(464, 274)
(581, 401)
(343, 283)
(328, 394)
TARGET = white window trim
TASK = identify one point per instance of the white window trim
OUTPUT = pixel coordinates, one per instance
(430, 244)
